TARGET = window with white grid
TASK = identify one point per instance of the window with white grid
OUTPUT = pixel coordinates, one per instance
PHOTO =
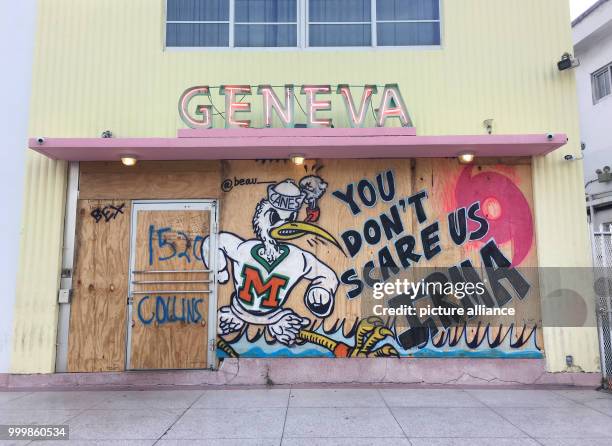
(302, 23)
(602, 83)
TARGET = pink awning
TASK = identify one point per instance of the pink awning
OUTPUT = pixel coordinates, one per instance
(310, 142)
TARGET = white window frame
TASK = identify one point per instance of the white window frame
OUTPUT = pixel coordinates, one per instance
(200, 22)
(303, 24)
(374, 28)
(231, 22)
(607, 70)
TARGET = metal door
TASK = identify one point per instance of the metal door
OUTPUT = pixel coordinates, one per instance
(172, 292)
(602, 259)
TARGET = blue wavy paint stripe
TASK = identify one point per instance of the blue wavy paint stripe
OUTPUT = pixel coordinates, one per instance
(257, 352)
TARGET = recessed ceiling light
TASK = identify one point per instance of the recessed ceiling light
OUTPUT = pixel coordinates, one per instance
(297, 159)
(129, 160)
(466, 158)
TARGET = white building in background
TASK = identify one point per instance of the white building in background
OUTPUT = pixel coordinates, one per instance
(17, 27)
(593, 47)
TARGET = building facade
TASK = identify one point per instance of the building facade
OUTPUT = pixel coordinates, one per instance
(230, 242)
(593, 47)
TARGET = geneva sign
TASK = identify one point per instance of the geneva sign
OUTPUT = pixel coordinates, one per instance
(317, 100)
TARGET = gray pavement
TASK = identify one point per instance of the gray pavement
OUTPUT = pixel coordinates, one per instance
(319, 416)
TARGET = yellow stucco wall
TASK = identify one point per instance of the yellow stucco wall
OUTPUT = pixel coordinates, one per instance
(101, 65)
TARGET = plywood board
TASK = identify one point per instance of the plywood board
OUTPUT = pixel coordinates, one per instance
(150, 180)
(98, 308)
(374, 200)
(378, 190)
(170, 309)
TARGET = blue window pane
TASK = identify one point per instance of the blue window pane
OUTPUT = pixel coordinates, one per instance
(266, 11)
(339, 10)
(404, 34)
(197, 34)
(265, 35)
(407, 10)
(339, 35)
(198, 10)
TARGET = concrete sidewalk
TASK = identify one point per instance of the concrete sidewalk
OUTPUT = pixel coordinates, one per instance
(319, 416)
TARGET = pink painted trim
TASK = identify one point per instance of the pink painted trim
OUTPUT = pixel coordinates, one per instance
(281, 143)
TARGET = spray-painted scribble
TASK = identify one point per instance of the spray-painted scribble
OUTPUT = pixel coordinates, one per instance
(170, 309)
(165, 244)
(229, 183)
(107, 213)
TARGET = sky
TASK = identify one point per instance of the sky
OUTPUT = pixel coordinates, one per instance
(579, 6)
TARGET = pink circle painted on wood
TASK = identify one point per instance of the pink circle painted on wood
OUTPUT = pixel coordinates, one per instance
(504, 206)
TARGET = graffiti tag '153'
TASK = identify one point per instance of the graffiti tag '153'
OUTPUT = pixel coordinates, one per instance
(162, 248)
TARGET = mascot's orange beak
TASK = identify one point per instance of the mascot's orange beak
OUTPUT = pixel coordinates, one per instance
(293, 230)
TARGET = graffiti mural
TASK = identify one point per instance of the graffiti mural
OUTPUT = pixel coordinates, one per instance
(265, 269)
(498, 195)
(302, 248)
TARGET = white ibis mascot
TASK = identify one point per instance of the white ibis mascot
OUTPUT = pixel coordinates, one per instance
(266, 269)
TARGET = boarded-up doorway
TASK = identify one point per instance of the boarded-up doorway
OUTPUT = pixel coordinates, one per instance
(96, 340)
(172, 304)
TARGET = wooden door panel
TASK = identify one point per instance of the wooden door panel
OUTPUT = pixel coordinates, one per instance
(96, 340)
(170, 290)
